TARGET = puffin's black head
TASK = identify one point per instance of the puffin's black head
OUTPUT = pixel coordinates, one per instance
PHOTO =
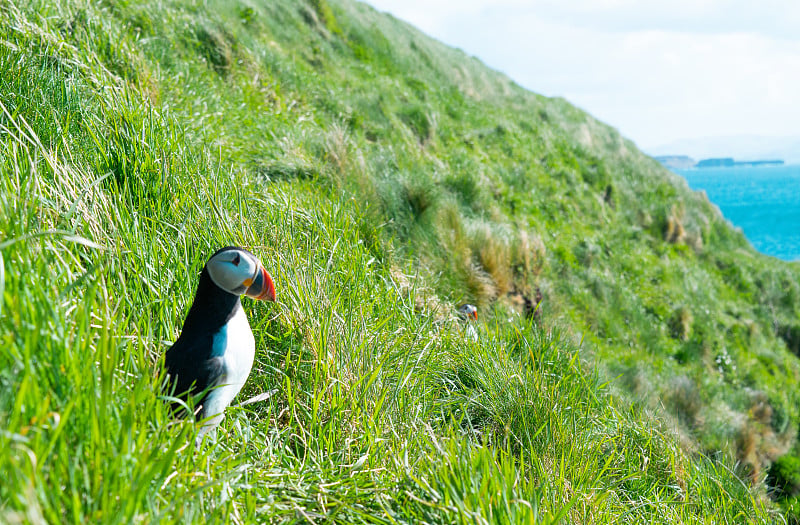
(468, 312)
(239, 272)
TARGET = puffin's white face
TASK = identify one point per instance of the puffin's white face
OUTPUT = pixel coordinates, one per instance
(469, 311)
(239, 272)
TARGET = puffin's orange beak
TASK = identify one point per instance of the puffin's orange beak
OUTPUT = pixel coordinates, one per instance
(261, 286)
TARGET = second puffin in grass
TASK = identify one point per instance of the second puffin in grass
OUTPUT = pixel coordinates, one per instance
(469, 314)
(213, 356)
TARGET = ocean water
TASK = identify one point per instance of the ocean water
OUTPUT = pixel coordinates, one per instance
(763, 201)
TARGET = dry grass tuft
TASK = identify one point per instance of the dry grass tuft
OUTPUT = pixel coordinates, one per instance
(674, 231)
(215, 47)
(480, 284)
(757, 443)
(337, 147)
(425, 300)
(493, 254)
(528, 253)
(680, 324)
(695, 241)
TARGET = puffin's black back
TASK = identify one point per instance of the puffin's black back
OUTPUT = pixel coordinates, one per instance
(190, 363)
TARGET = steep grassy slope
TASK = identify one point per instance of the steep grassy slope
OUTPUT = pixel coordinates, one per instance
(382, 178)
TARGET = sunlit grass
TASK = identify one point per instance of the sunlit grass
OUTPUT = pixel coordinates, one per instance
(133, 146)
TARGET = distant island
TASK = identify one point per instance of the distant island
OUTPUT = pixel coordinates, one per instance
(682, 162)
(728, 162)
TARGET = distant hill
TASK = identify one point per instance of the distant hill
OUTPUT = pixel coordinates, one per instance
(680, 162)
(740, 147)
(729, 162)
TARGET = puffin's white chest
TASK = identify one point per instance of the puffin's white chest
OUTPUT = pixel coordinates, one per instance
(471, 333)
(237, 347)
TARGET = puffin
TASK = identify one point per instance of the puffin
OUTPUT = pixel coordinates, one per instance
(469, 314)
(214, 353)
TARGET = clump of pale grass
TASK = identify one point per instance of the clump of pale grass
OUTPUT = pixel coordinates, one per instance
(674, 231)
(492, 253)
(528, 253)
(337, 147)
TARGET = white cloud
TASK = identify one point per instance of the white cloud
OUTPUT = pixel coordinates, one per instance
(772, 17)
(769, 17)
(659, 71)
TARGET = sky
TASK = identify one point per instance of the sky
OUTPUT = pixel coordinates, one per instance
(661, 72)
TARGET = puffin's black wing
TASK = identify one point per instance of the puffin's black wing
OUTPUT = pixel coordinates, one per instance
(192, 368)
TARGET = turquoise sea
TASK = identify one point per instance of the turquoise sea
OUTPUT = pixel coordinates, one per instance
(763, 201)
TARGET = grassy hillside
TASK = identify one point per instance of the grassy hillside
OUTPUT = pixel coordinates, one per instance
(636, 360)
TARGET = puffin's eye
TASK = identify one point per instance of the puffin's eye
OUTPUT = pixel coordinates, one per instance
(236, 260)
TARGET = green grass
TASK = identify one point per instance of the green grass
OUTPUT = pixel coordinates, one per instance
(382, 179)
